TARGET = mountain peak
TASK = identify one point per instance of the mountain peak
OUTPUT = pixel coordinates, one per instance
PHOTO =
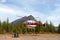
(25, 18)
(30, 16)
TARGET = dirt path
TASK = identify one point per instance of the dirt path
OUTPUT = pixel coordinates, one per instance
(31, 37)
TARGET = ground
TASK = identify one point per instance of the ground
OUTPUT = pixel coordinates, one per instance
(31, 37)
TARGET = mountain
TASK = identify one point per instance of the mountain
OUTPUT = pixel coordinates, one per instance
(25, 18)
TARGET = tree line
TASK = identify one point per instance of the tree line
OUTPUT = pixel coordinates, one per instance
(6, 27)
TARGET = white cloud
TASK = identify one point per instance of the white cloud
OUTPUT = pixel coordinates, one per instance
(54, 15)
(20, 12)
(55, 19)
(5, 10)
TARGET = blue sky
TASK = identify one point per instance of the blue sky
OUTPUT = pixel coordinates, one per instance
(43, 9)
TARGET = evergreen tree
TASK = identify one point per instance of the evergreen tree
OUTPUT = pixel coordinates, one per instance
(0, 27)
(59, 29)
(41, 29)
(37, 30)
(23, 29)
(47, 28)
(8, 26)
(52, 29)
(4, 27)
(20, 27)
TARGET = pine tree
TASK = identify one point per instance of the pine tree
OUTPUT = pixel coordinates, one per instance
(20, 27)
(52, 29)
(47, 29)
(4, 27)
(23, 29)
(37, 29)
(0, 27)
(7, 25)
(59, 29)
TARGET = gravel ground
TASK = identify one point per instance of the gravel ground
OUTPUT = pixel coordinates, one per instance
(31, 37)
